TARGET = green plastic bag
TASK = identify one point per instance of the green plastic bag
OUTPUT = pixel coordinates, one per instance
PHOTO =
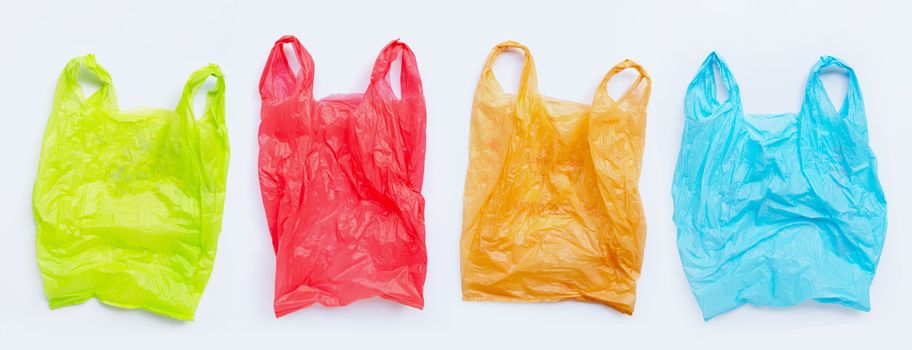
(128, 204)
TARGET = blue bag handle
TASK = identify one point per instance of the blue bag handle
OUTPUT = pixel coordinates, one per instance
(700, 101)
(852, 110)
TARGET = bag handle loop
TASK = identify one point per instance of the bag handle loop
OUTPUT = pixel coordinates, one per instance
(601, 93)
(409, 79)
(701, 93)
(215, 98)
(278, 81)
(69, 81)
(853, 104)
(528, 82)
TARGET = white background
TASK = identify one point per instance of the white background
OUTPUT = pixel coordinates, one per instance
(150, 47)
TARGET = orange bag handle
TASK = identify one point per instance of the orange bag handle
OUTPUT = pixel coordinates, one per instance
(278, 81)
(601, 93)
(528, 83)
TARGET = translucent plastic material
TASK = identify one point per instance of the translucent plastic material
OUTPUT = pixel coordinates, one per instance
(129, 204)
(341, 182)
(552, 211)
(774, 210)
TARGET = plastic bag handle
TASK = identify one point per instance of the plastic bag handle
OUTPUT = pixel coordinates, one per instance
(278, 80)
(410, 126)
(816, 92)
(602, 91)
(702, 89)
(69, 81)
(409, 79)
(215, 99)
(528, 82)
(208, 140)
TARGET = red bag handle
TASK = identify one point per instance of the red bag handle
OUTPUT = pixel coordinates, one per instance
(409, 79)
(411, 127)
(278, 81)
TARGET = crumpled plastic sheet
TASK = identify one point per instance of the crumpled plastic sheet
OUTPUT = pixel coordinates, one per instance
(128, 204)
(552, 211)
(341, 182)
(774, 210)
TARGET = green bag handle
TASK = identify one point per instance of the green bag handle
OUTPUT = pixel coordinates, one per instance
(69, 89)
(215, 99)
(212, 146)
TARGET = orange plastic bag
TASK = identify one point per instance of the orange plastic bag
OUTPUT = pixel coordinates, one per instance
(552, 211)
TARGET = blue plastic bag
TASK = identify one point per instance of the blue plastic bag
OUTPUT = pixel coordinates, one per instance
(774, 210)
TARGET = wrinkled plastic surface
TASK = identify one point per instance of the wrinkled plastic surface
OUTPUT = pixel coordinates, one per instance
(774, 210)
(341, 183)
(128, 204)
(552, 211)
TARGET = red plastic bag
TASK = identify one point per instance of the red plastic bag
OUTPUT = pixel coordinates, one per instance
(341, 183)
